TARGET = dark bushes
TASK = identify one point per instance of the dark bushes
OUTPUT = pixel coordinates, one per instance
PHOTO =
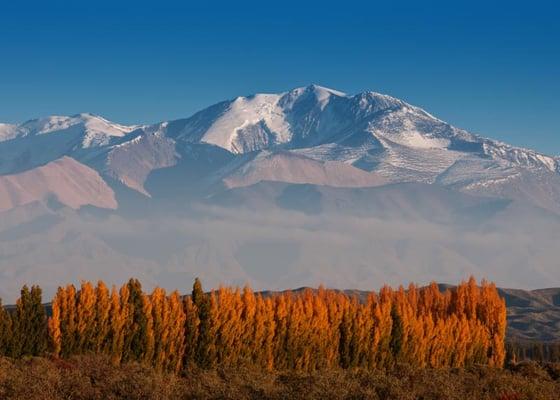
(95, 377)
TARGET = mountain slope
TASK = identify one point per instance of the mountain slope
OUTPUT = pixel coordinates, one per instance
(394, 202)
(65, 180)
(294, 168)
(367, 131)
(533, 315)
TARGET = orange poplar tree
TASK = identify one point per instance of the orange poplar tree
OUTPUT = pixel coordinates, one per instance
(306, 331)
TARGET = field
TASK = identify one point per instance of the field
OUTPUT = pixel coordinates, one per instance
(95, 377)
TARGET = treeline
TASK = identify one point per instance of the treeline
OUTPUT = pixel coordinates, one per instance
(542, 352)
(229, 327)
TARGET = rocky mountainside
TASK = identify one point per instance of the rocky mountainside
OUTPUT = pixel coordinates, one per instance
(360, 140)
(533, 315)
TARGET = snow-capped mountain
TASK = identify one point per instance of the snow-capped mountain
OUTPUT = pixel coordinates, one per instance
(372, 132)
(304, 187)
(39, 141)
(329, 124)
(369, 130)
(92, 129)
(7, 131)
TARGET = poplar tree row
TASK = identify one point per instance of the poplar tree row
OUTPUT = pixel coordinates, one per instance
(23, 330)
(304, 331)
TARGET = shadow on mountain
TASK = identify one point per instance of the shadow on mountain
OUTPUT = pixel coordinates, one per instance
(401, 201)
(190, 178)
(304, 198)
(39, 225)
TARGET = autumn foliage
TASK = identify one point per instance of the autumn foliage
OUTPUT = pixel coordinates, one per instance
(304, 331)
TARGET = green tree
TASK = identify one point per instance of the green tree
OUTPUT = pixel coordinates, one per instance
(38, 322)
(5, 331)
(190, 329)
(205, 352)
(136, 331)
(29, 324)
(397, 333)
(345, 338)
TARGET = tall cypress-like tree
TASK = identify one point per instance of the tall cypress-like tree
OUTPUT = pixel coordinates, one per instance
(30, 324)
(86, 318)
(55, 333)
(397, 333)
(21, 322)
(176, 349)
(136, 333)
(161, 323)
(38, 321)
(190, 330)
(118, 320)
(102, 317)
(204, 350)
(198, 296)
(5, 331)
(345, 337)
(68, 320)
(147, 332)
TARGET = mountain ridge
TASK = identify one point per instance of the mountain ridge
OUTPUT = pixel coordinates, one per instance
(368, 130)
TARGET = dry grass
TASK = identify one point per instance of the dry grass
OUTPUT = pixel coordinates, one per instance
(93, 377)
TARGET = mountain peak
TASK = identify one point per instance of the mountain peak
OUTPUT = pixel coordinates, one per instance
(382, 101)
(319, 91)
(7, 131)
(87, 116)
(310, 95)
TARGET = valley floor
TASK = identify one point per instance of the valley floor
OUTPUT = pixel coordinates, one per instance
(93, 377)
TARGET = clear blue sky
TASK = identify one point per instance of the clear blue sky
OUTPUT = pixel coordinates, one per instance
(491, 69)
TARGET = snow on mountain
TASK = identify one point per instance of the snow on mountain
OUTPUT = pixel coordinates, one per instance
(39, 141)
(369, 131)
(94, 130)
(519, 156)
(256, 122)
(249, 124)
(7, 131)
(367, 128)
(503, 179)
(132, 160)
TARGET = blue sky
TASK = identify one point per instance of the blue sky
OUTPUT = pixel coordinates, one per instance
(493, 69)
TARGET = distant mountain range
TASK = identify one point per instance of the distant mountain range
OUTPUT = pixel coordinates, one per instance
(533, 315)
(391, 192)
